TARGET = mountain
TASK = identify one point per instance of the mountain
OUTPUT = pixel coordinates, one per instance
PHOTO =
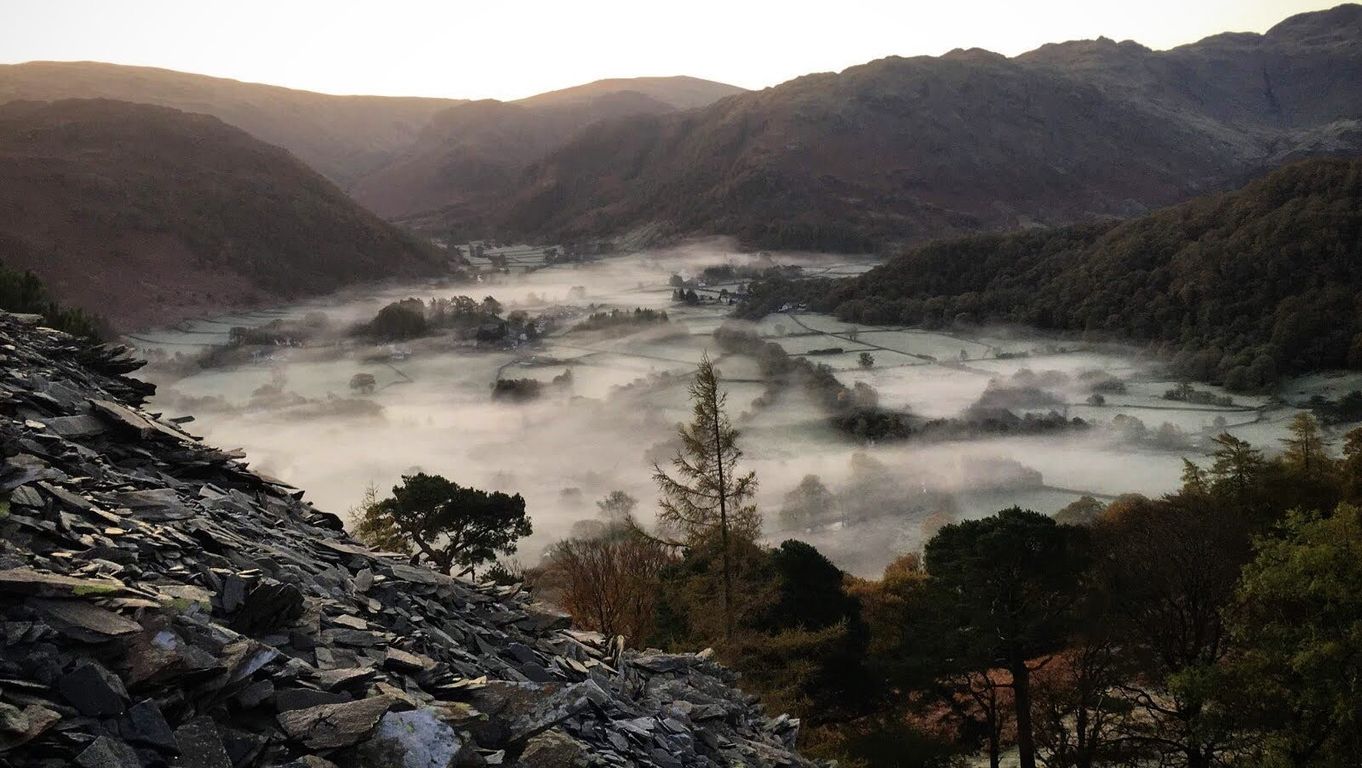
(164, 605)
(676, 92)
(146, 214)
(475, 152)
(904, 150)
(342, 137)
(398, 156)
(1243, 286)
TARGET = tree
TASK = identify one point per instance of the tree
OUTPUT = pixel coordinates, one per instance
(443, 523)
(1166, 569)
(1009, 583)
(810, 600)
(374, 528)
(1082, 511)
(807, 504)
(708, 497)
(404, 319)
(617, 507)
(1237, 467)
(363, 383)
(1352, 466)
(1305, 450)
(866, 360)
(491, 306)
(609, 583)
(1298, 619)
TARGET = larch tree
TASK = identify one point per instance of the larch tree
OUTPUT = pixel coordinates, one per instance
(1305, 448)
(705, 496)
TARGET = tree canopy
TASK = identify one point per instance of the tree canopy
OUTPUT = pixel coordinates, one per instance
(443, 523)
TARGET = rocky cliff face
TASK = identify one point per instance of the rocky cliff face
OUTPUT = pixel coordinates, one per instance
(162, 605)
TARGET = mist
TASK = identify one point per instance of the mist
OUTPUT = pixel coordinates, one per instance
(293, 411)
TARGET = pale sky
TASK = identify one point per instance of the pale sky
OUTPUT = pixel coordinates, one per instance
(512, 48)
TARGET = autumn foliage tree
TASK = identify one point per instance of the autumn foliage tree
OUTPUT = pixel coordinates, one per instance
(609, 583)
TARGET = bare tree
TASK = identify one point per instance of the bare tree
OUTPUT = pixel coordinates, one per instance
(608, 583)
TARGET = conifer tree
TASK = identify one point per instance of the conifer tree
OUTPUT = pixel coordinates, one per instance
(1305, 447)
(707, 496)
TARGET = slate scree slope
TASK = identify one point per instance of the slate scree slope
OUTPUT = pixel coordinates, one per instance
(163, 605)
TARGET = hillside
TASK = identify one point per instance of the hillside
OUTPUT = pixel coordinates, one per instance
(907, 150)
(164, 605)
(397, 156)
(474, 153)
(342, 137)
(1244, 286)
(145, 215)
(677, 92)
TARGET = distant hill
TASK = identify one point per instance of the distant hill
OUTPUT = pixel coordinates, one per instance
(146, 214)
(1243, 286)
(676, 92)
(398, 156)
(474, 153)
(342, 137)
(908, 150)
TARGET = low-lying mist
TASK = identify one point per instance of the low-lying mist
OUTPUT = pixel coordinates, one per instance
(608, 400)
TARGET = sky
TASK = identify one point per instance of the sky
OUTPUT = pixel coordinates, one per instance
(509, 49)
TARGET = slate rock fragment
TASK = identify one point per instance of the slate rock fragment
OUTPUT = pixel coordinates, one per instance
(553, 749)
(106, 752)
(200, 744)
(146, 726)
(329, 726)
(416, 738)
(94, 690)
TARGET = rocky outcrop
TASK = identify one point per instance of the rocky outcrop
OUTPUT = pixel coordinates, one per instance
(162, 605)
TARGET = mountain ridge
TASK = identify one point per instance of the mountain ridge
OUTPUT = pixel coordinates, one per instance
(905, 150)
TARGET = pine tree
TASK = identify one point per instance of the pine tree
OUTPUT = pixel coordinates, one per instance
(708, 496)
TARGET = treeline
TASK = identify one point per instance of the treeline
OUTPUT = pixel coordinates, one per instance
(1214, 626)
(856, 410)
(1238, 289)
(23, 292)
(465, 317)
(616, 318)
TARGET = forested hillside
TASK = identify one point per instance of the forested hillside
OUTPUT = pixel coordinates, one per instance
(1243, 286)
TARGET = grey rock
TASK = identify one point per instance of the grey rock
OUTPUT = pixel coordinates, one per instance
(94, 690)
(553, 749)
(335, 725)
(418, 738)
(147, 726)
(200, 744)
(302, 698)
(105, 752)
(85, 621)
